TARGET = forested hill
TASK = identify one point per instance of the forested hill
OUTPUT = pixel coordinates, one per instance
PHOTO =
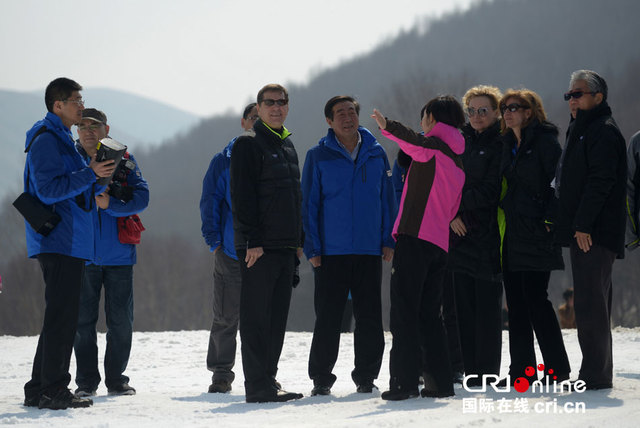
(507, 43)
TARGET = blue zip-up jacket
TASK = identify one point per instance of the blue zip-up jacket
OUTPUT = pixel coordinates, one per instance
(109, 251)
(348, 207)
(58, 175)
(215, 204)
(398, 177)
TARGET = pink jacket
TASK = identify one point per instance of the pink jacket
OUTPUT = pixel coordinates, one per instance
(433, 187)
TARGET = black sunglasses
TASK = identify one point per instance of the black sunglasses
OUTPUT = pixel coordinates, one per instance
(513, 107)
(268, 102)
(576, 94)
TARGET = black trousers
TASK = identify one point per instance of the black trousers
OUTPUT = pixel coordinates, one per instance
(479, 310)
(419, 338)
(592, 302)
(451, 324)
(530, 310)
(63, 280)
(264, 307)
(362, 275)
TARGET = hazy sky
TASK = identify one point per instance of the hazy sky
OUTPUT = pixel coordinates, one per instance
(201, 56)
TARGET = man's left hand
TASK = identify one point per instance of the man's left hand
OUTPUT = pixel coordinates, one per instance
(584, 241)
(387, 254)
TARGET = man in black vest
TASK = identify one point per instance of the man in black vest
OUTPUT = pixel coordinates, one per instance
(590, 183)
(266, 200)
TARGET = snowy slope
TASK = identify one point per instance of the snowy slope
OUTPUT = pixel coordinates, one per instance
(168, 370)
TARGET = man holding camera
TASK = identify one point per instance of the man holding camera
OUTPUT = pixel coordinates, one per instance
(111, 267)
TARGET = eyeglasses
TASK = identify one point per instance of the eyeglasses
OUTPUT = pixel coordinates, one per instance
(576, 94)
(480, 111)
(89, 127)
(281, 102)
(253, 118)
(513, 107)
(78, 101)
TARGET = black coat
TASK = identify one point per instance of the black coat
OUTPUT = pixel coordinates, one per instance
(529, 203)
(477, 254)
(593, 177)
(265, 191)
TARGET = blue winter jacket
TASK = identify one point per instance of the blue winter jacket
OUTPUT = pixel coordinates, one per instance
(60, 177)
(398, 177)
(348, 207)
(215, 204)
(109, 251)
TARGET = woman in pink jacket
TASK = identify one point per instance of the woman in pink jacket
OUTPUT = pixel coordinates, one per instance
(429, 202)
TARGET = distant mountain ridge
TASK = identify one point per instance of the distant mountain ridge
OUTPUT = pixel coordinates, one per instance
(507, 43)
(136, 121)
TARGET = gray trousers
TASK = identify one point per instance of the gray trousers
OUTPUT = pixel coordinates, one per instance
(592, 302)
(221, 356)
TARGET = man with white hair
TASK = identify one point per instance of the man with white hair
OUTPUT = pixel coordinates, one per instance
(591, 186)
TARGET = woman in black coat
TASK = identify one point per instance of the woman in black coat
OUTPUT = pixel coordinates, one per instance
(530, 154)
(474, 255)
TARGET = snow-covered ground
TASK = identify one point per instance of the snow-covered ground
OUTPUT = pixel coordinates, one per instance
(168, 370)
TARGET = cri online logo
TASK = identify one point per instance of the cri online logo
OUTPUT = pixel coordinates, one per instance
(522, 384)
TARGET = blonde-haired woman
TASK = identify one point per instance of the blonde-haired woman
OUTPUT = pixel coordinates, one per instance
(473, 270)
(530, 154)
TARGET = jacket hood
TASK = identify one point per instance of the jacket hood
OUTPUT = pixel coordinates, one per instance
(450, 135)
(545, 126)
(53, 124)
(535, 127)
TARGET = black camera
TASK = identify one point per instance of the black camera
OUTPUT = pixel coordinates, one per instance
(118, 188)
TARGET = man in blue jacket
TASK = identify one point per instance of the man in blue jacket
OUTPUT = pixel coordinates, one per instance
(59, 177)
(217, 230)
(111, 267)
(349, 207)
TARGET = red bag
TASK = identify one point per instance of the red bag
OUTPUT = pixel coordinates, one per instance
(130, 229)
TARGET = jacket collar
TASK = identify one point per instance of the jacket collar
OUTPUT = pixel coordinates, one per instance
(227, 150)
(367, 146)
(54, 124)
(266, 130)
(81, 149)
(585, 117)
(485, 136)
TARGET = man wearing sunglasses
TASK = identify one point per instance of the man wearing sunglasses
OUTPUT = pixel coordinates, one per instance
(59, 177)
(111, 268)
(217, 230)
(266, 201)
(591, 186)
